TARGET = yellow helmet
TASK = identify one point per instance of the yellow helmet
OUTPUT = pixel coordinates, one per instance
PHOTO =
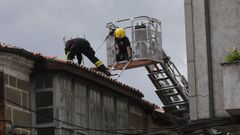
(119, 33)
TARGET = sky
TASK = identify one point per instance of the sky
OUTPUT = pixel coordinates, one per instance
(40, 25)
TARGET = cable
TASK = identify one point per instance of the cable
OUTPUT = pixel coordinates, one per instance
(70, 124)
(6, 121)
(210, 123)
(154, 130)
(107, 131)
(100, 130)
(173, 128)
(101, 44)
(123, 69)
(83, 128)
(11, 132)
(39, 113)
(73, 125)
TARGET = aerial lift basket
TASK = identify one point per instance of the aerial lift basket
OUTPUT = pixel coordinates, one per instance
(145, 36)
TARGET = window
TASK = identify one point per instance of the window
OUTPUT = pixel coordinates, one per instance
(122, 115)
(43, 82)
(73, 105)
(80, 99)
(45, 131)
(44, 99)
(80, 133)
(95, 112)
(44, 115)
(66, 132)
(108, 113)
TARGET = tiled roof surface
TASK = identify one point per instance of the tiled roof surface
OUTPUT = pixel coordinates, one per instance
(15, 49)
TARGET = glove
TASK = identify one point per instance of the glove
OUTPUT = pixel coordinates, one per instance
(70, 61)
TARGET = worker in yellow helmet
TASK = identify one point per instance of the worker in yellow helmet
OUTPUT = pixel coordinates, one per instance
(123, 44)
(77, 47)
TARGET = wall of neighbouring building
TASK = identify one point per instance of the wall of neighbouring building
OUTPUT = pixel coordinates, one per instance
(212, 29)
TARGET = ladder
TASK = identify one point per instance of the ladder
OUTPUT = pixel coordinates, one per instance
(171, 88)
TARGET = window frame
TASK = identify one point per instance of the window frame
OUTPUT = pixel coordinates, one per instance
(106, 108)
(122, 99)
(137, 111)
(98, 106)
(33, 94)
(78, 83)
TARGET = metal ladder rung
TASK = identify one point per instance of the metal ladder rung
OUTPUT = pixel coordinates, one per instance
(175, 104)
(172, 94)
(123, 69)
(161, 79)
(167, 88)
(168, 94)
(156, 72)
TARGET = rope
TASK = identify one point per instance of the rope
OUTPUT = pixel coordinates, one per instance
(101, 44)
(123, 69)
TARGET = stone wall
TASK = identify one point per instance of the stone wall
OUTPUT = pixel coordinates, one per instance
(17, 91)
(16, 88)
(2, 123)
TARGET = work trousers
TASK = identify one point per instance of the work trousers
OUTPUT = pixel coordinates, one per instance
(88, 52)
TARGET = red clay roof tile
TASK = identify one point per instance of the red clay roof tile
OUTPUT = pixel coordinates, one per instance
(53, 58)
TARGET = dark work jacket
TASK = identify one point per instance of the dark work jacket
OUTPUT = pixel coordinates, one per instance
(122, 43)
(77, 46)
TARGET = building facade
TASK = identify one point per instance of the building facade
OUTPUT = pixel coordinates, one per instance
(40, 95)
(212, 30)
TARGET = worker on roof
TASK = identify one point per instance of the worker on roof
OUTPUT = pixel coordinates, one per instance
(123, 44)
(77, 47)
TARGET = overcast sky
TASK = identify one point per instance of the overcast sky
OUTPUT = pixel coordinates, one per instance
(39, 26)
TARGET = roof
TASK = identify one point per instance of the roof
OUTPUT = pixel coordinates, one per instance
(51, 62)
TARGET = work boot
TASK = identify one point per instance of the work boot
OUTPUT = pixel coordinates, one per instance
(104, 69)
